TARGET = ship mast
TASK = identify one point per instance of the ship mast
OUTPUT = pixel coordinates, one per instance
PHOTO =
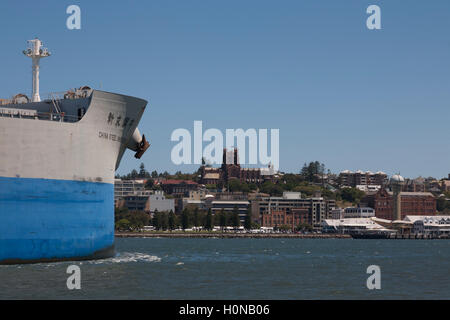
(35, 51)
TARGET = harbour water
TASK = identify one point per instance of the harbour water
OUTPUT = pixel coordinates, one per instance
(243, 269)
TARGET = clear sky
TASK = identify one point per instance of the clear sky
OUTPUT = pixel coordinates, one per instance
(347, 96)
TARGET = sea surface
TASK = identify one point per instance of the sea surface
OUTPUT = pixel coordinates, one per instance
(152, 268)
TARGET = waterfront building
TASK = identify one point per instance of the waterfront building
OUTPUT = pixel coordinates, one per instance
(337, 213)
(134, 202)
(357, 212)
(159, 202)
(349, 225)
(148, 203)
(229, 206)
(430, 225)
(310, 210)
(192, 204)
(411, 203)
(128, 188)
(278, 218)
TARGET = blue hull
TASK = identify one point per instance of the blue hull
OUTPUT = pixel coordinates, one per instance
(51, 220)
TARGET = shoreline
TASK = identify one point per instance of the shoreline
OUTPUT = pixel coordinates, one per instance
(228, 235)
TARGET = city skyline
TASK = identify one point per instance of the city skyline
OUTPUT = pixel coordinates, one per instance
(349, 97)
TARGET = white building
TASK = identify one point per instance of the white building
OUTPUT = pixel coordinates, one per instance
(158, 201)
(291, 195)
(356, 212)
(430, 225)
(337, 213)
(368, 188)
(126, 188)
(351, 225)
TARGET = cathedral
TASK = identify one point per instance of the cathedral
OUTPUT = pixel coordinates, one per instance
(231, 169)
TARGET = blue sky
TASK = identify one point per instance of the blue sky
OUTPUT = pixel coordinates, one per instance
(347, 96)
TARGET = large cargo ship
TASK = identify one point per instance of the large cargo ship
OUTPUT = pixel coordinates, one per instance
(58, 158)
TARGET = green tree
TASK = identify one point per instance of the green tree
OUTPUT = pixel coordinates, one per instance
(185, 219)
(134, 174)
(248, 220)
(284, 227)
(142, 172)
(138, 219)
(149, 184)
(234, 185)
(120, 213)
(235, 218)
(352, 195)
(165, 174)
(312, 171)
(223, 219)
(123, 225)
(196, 217)
(208, 221)
(156, 221)
(164, 220)
(172, 220)
(271, 188)
(304, 227)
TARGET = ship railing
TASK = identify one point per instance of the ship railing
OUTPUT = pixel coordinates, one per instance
(33, 114)
(58, 95)
(70, 94)
(59, 117)
(54, 97)
(5, 102)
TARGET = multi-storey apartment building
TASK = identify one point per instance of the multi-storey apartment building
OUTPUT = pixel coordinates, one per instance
(149, 203)
(349, 178)
(124, 188)
(291, 207)
(229, 206)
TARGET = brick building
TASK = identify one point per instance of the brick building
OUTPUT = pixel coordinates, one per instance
(412, 204)
(285, 217)
(178, 187)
